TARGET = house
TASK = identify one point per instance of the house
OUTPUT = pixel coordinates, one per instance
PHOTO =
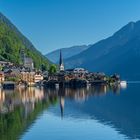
(12, 74)
(53, 77)
(28, 77)
(2, 77)
(38, 78)
(80, 70)
(5, 63)
(31, 77)
(45, 74)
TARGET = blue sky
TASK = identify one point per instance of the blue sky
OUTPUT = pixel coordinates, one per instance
(53, 24)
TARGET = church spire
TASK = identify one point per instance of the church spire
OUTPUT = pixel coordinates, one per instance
(61, 60)
(61, 65)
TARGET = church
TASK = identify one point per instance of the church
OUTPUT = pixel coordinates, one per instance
(61, 63)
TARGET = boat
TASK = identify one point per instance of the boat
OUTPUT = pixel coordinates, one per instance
(123, 84)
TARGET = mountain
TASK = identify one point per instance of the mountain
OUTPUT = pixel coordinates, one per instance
(119, 53)
(67, 52)
(12, 41)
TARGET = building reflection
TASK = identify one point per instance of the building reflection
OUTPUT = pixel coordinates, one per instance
(61, 94)
(27, 97)
(22, 106)
(82, 94)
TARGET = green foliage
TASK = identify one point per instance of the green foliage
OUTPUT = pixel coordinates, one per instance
(14, 79)
(43, 68)
(52, 69)
(15, 123)
(12, 42)
(1, 68)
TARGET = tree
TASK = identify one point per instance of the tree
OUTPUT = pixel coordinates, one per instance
(52, 69)
(43, 67)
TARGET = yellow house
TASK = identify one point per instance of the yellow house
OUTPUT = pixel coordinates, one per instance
(28, 77)
(31, 77)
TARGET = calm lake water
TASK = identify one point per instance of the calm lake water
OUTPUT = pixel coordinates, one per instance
(100, 113)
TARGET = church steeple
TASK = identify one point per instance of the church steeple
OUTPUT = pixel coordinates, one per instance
(61, 60)
(61, 64)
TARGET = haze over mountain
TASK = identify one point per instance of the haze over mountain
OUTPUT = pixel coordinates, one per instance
(12, 42)
(67, 52)
(119, 53)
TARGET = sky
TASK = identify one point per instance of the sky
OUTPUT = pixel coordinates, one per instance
(54, 24)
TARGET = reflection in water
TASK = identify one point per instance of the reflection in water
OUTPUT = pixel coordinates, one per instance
(26, 97)
(20, 108)
(82, 94)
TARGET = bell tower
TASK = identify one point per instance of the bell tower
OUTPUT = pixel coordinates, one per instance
(61, 64)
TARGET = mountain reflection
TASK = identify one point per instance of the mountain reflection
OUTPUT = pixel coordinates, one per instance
(10, 99)
(20, 108)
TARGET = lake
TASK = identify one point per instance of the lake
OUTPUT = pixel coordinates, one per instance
(99, 113)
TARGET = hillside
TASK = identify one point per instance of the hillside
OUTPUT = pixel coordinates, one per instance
(12, 42)
(67, 52)
(119, 53)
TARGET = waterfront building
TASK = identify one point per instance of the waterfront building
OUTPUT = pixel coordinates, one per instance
(2, 77)
(28, 77)
(38, 78)
(53, 77)
(11, 73)
(45, 74)
(31, 77)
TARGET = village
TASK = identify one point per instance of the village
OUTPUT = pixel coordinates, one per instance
(26, 75)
